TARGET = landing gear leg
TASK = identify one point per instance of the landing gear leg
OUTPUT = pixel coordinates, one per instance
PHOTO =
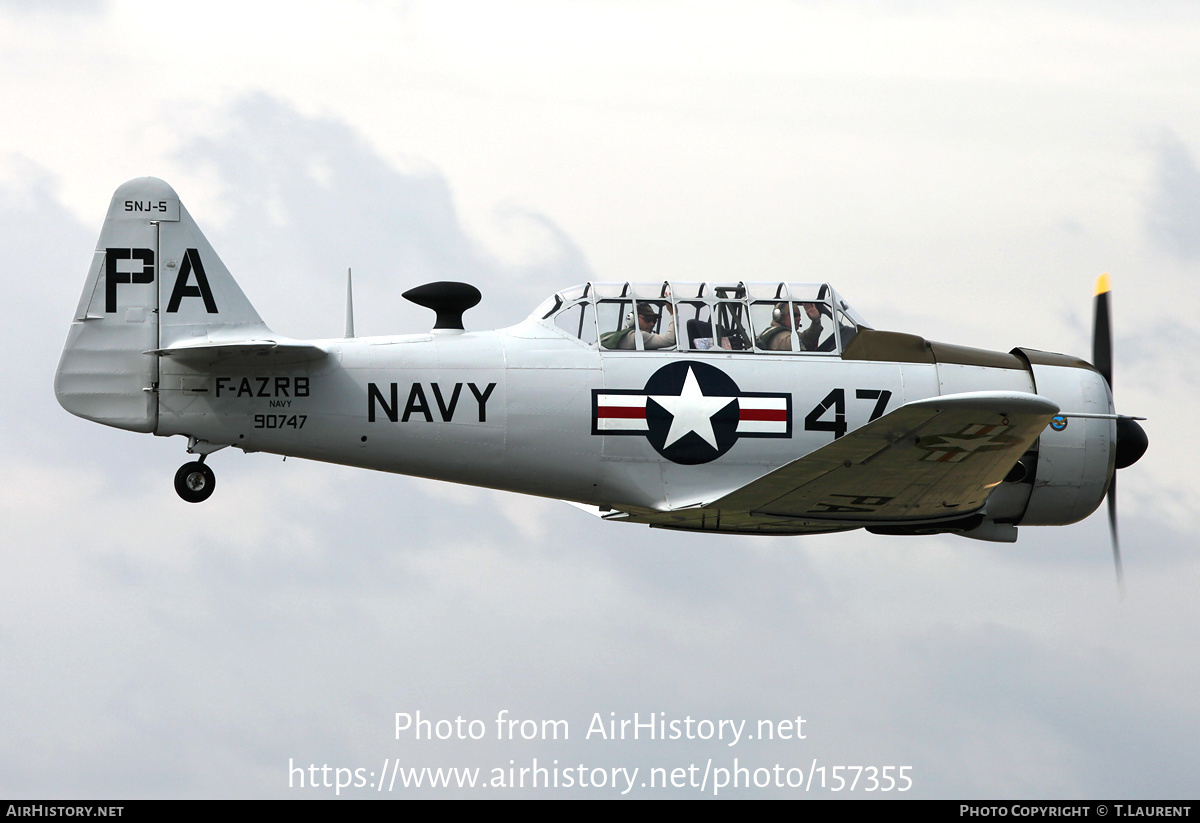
(194, 481)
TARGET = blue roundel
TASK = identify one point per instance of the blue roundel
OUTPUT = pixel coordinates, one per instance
(1058, 423)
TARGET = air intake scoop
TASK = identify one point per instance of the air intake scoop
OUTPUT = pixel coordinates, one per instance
(448, 299)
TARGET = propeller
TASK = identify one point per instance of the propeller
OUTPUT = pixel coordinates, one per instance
(1131, 438)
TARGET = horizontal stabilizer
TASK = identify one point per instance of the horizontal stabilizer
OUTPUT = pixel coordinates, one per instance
(205, 352)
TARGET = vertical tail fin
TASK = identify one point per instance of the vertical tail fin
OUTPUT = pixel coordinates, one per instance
(154, 282)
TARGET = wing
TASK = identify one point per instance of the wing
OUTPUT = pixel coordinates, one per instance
(931, 459)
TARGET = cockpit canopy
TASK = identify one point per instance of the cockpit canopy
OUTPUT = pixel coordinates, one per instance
(768, 317)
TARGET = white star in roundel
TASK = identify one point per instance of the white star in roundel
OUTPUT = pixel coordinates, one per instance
(691, 411)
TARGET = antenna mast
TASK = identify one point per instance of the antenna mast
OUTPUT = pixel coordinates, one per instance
(349, 305)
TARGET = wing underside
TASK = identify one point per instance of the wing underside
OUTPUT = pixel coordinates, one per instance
(929, 461)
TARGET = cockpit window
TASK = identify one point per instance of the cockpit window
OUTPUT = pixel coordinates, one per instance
(788, 325)
(732, 327)
(763, 317)
(695, 318)
(547, 307)
(636, 325)
(578, 321)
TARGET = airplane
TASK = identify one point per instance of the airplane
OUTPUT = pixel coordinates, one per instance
(750, 408)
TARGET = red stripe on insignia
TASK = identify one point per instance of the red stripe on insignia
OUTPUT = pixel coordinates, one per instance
(632, 412)
(774, 415)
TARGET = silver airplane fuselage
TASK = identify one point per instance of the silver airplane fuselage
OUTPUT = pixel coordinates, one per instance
(771, 409)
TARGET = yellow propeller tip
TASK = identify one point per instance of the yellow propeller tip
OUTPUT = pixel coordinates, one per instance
(1102, 284)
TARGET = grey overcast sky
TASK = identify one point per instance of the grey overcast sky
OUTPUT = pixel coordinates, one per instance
(958, 170)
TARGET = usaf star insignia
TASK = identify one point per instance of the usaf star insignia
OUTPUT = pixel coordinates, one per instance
(691, 412)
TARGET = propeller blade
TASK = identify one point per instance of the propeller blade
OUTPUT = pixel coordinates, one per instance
(1102, 330)
(1102, 360)
(1116, 543)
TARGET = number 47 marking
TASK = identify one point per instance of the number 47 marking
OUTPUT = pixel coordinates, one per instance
(836, 400)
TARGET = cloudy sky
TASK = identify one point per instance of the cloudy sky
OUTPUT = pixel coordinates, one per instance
(961, 171)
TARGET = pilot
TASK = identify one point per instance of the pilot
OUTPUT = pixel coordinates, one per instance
(778, 337)
(647, 318)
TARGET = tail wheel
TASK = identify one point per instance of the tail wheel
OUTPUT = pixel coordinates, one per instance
(194, 482)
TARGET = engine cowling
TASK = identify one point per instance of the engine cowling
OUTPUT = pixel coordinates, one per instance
(1075, 455)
